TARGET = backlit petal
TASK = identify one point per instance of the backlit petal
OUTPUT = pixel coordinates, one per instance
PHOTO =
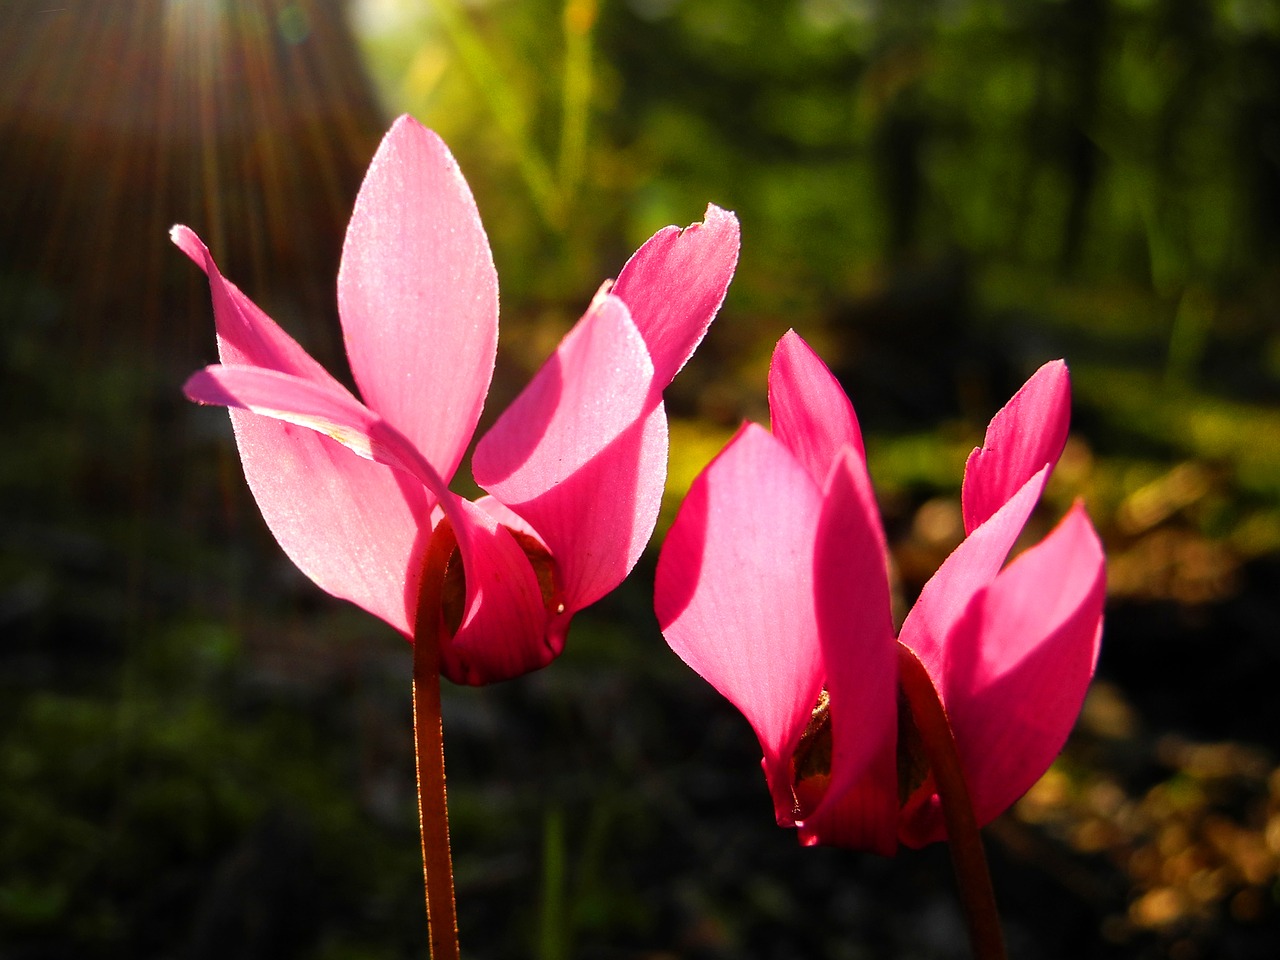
(969, 568)
(246, 335)
(418, 295)
(674, 285)
(855, 628)
(503, 630)
(330, 411)
(350, 525)
(581, 454)
(356, 528)
(1021, 660)
(734, 592)
(809, 409)
(1028, 433)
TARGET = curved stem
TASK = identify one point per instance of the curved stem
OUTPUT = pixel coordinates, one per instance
(967, 855)
(428, 738)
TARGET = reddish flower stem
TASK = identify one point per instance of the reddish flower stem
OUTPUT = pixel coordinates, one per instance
(967, 855)
(428, 737)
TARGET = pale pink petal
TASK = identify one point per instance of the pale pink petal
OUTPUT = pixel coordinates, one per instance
(1021, 660)
(356, 528)
(734, 592)
(674, 286)
(330, 411)
(503, 631)
(1028, 433)
(581, 454)
(809, 410)
(418, 295)
(969, 568)
(353, 527)
(859, 650)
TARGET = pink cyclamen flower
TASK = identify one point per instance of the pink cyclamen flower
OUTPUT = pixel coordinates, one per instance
(574, 468)
(772, 584)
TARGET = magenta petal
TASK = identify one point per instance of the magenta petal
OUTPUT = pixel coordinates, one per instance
(504, 632)
(810, 412)
(581, 454)
(969, 568)
(1020, 661)
(855, 628)
(1025, 435)
(674, 285)
(863, 816)
(734, 592)
(418, 295)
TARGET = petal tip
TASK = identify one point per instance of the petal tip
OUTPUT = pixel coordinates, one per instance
(189, 242)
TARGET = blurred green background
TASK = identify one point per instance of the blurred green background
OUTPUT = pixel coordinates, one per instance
(201, 755)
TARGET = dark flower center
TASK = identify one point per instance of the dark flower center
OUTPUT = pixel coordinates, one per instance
(811, 762)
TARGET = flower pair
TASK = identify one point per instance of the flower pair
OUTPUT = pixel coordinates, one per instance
(574, 469)
(773, 582)
(773, 585)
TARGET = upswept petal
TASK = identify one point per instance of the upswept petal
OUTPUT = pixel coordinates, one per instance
(502, 630)
(581, 454)
(246, 335)
(855, 629)
(350, 525)
(330, 411)
(969, 568)
(1021, 660)
(809, 410)
(1026, 434)
(734, 592)
(418, 295)
(674, 286)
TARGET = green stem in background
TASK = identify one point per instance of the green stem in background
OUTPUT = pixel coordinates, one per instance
(428, 739)
(553, 924)
(579, 21)
(967, 855)
(505, 106)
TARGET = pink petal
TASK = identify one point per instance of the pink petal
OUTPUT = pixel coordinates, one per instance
(353, 527)
(330, 411)
(969, 568)
(810, 412)
(864, 816)
(734, 593)
(1028, 433)
(503, 632)
(418, 295)
(350, 525)
(1021, 660)
(674, 286)
(246, 335)
(855, 627)
(581, 454)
